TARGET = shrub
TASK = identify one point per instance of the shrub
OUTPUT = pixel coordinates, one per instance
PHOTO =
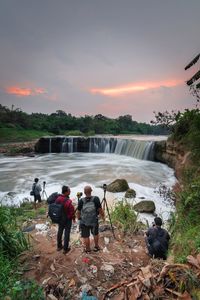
(12, 239)
(124, 216)
(26, 289)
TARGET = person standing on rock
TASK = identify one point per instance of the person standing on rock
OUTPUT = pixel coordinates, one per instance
(36, 189)
(88, 210)
(157, 240)
(66, 223)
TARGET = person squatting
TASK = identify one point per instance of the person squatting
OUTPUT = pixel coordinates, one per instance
(157, 240)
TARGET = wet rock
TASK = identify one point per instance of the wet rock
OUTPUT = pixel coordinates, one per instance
(11, 194)
(117, 186)
(145, 206)
(29, 228)
(130, 193)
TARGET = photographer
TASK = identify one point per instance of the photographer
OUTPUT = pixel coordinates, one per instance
(36, 189)
(66, 223)
(157, 240)
(88, 210)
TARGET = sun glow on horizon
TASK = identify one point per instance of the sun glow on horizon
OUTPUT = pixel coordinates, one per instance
(135, 87)
(24, 92)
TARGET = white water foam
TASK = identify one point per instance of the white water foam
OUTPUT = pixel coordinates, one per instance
(80, 169)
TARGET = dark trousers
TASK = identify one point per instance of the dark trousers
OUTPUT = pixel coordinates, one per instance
(66, 228)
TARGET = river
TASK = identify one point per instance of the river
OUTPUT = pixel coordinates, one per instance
(80, 169)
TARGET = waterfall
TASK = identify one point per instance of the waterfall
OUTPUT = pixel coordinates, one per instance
(49, 145)
(135, 148)
(64, 145)
(70, 144)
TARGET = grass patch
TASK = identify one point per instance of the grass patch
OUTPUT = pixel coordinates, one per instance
(124, 217)
(20, 135)
(186, 226)
(13, 242)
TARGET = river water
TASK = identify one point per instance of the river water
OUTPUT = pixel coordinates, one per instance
(80, 169)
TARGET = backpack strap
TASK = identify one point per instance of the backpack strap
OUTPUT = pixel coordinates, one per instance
(85, 199)
(34, 186)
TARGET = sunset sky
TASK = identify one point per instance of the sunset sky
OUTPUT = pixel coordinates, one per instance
(110, 57)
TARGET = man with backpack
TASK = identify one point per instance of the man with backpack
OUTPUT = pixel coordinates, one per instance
(157, 240)
(65, 222)
(36, 189)
(88, 210)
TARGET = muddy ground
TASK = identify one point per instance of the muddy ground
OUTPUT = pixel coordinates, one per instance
(65, 276)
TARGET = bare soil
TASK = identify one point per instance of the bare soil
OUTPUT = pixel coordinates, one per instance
(65, 275)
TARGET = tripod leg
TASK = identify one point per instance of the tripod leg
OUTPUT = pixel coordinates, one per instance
(109, 218)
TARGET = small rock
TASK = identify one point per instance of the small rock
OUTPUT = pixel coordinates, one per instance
(130, 193)
(145, 206)
(29, 228)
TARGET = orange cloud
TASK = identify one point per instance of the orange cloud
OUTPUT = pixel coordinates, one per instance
(24, 92)
(134, 87)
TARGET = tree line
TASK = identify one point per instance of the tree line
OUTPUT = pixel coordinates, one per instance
(61, 122)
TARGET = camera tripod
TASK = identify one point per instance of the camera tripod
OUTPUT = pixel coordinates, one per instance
(105, 205)
(43, 191)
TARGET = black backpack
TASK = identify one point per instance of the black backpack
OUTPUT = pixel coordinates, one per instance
(56, 212)
(159, 244)
(52, 198)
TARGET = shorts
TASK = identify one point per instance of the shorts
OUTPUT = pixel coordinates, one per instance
(85, 230)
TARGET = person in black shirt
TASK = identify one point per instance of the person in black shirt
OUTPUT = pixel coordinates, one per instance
(157, 240)
(88, 210)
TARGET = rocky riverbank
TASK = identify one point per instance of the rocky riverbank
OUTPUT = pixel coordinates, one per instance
(19, 148)
(174, 154)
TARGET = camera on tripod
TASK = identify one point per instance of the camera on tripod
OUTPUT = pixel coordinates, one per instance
(44, 183)
(104, 187)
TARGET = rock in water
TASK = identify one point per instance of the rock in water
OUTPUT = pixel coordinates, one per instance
(145, 206)
(130, 193)
(117, 186)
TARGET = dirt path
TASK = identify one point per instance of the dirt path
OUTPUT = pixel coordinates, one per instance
(65, 276)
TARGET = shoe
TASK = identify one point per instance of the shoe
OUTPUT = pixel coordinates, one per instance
(66, 251)
(96, 249)
(59, 248)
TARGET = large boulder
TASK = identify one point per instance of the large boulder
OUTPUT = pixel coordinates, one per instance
(117, 186)
(145, 206)
(130, 193)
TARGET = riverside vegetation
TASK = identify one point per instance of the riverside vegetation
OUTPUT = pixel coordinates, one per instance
(16, 125)
(12, 243)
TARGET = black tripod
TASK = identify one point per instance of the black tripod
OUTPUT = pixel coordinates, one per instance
(105, 204)
(43, 190)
